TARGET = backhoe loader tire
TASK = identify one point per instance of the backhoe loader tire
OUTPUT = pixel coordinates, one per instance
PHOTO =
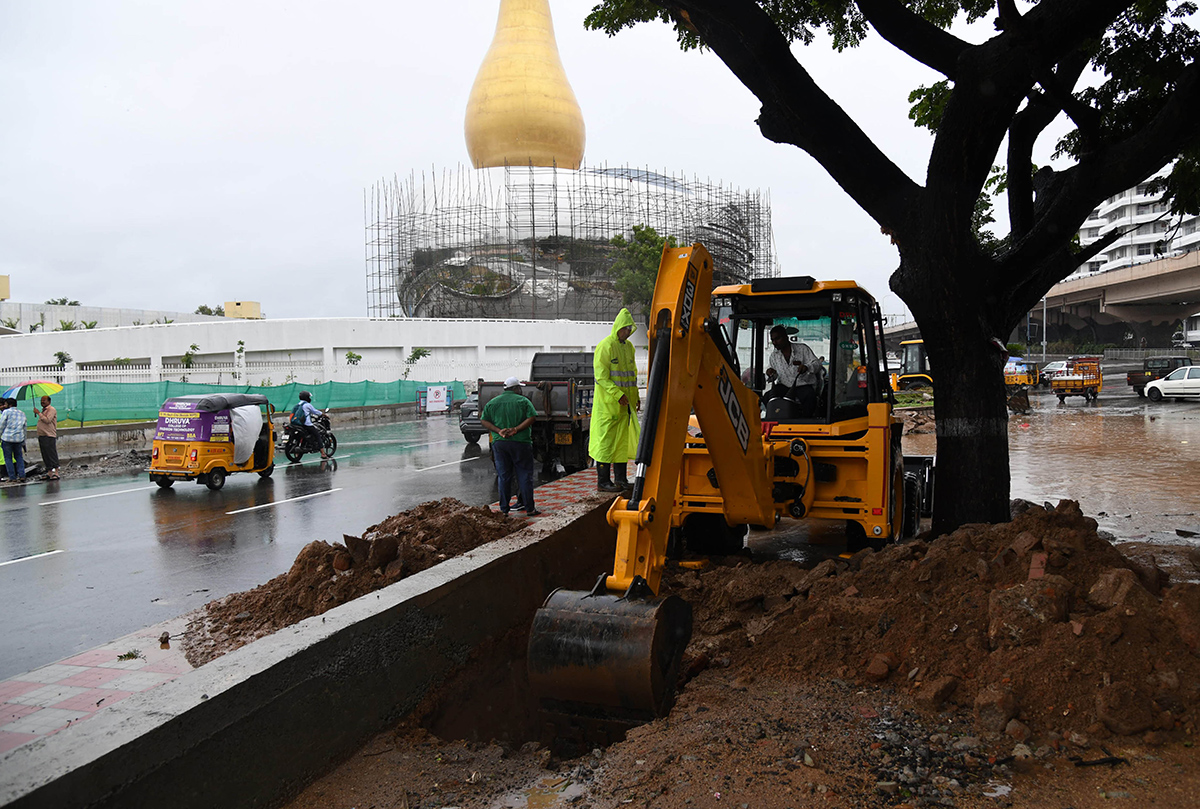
(911, 517)
(710, 535)
(856, 536)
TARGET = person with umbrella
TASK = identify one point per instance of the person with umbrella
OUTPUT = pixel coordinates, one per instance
(47, 436)
(12, 438)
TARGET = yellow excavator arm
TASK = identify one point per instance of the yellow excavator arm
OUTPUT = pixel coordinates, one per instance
(687, 372)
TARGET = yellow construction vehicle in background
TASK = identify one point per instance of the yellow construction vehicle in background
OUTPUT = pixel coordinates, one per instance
(915, 373)
(718, 454)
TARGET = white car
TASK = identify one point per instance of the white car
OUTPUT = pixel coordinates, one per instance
(1182, 382)
(1052, 369)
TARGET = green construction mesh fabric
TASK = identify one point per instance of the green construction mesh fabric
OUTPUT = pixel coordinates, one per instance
(91, 402)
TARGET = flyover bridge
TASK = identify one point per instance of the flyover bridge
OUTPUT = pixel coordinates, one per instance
(1146, 297)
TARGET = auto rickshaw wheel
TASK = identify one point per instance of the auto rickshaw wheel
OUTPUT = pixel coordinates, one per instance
(266, 473)
(164, 482)
(215, 479)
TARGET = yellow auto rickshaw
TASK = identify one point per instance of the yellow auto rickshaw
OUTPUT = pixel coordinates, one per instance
(205, 437)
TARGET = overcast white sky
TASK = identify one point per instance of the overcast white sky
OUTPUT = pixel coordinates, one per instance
(163, 155)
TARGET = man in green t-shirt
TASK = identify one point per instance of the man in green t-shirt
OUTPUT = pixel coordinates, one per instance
(508, 417)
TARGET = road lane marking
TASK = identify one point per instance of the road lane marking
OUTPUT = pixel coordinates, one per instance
(313, 460)
(27, 558)
(399, 441)
(90, 496)
(289, 500)
(452, 463)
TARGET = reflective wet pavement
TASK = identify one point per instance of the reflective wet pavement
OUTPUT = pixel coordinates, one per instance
(86, 561)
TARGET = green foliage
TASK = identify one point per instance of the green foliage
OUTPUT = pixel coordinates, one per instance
(188, 357)
(636, 268)
(423, 258)
(90, 324)
(11, 322)
(205, 309)
(120, 361)
(67, 325)
(414, 356)
(1015, 349)
(62, 358)
(352, 358)
(62, 302)
(928, 105)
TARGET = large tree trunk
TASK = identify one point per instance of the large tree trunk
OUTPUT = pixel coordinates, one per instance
(958, 324)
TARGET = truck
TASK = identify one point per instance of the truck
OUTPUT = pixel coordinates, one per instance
(561, 386)
(1154, 368)
(1082, 377)
(717, 455)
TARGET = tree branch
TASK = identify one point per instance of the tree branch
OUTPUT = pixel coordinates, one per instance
(795, 110)
(913, 34)
(1027, 126)
(1070, 196)
(1052, 29)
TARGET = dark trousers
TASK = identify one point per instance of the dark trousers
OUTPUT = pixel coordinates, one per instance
(804, 395)
(48, 444)
(514, 457)
(14, 456)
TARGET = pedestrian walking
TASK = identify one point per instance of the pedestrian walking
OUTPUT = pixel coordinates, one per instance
(47, 436)
(12, 437)
(508, 418)
(613, 433)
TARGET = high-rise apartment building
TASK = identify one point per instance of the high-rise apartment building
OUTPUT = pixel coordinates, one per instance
(1144, 222)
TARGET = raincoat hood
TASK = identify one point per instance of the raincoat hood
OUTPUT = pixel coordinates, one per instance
(624, 319)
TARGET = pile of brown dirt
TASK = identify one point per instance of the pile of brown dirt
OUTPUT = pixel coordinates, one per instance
(917, 420)
(325, 575)
(1038, 620)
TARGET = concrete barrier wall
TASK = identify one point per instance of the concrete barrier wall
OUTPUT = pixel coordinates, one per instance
(252, 727)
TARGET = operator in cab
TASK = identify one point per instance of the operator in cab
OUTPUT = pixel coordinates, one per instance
(614, 431)
(792, 370)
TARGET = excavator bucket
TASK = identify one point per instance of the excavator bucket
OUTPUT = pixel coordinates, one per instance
(601, 663)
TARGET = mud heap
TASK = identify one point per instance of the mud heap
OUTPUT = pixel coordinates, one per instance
(325, 575)
(1039, 626)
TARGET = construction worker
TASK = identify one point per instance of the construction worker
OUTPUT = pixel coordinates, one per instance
(508, 417)
(614, 428)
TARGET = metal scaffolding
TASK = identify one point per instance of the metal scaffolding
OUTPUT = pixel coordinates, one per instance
(531, 242)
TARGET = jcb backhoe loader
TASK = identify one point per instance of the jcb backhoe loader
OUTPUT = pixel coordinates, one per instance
(604, 660)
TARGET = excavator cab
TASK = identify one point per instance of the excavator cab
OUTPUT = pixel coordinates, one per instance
(726, 445)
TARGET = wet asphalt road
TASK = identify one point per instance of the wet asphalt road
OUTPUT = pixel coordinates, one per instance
(85, 561)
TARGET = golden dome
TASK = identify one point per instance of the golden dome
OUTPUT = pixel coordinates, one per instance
(521, 109)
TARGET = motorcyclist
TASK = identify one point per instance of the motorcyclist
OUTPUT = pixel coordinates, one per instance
(302, 420)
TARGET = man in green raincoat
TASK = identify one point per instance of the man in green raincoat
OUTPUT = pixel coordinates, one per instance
(614, 429)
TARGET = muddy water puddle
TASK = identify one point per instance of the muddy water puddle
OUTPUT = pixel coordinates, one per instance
(1133, 465)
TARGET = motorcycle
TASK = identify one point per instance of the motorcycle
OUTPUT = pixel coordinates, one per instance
(297, 442)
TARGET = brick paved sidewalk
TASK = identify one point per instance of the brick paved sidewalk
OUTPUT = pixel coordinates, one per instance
(54, 697)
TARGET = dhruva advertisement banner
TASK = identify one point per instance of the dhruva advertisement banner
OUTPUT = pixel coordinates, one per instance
(179, 421)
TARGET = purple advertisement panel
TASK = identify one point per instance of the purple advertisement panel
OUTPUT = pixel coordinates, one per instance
(180, 421)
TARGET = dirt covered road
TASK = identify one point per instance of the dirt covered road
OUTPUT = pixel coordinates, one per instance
(1022, 664)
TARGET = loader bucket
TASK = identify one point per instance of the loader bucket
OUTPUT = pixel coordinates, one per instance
(605, 661)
